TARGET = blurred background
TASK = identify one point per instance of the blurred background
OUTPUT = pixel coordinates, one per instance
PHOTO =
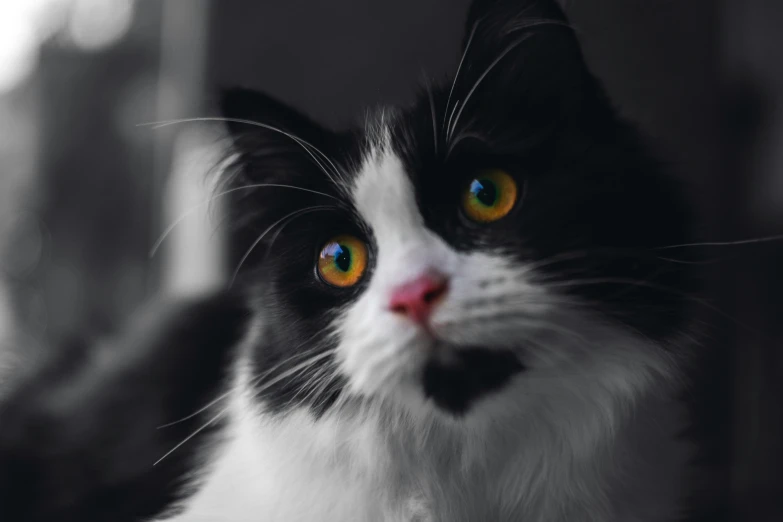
(87, 188)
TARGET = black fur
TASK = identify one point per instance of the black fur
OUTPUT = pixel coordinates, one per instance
(597, 206)
(456, 385)
(279, 271)
(80, 437)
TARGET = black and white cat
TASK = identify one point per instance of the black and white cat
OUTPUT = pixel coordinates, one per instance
(460, 312)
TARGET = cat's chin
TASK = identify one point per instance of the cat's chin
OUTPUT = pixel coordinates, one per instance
(454, 383)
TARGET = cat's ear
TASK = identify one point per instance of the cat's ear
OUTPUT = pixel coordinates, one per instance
(251, 112)
(520, 57)
(270, 136)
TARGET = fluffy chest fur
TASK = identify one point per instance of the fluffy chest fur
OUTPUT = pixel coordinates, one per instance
(378, 464)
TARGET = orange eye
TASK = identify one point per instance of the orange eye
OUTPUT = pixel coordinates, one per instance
(490, 196)
(342, 261)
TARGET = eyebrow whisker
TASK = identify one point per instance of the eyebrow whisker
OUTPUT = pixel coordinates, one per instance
(282, 221)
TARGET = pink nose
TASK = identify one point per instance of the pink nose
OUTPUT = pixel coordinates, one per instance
(417, 298)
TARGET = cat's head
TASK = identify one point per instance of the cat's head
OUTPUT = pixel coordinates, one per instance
(498, 240)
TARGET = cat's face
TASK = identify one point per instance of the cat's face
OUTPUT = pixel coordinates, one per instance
(499, 237)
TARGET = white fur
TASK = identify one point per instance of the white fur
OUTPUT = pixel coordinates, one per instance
(586, 434)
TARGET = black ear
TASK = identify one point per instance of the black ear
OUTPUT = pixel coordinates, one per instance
(273, 140)
(521, 59)
(280, 161)
(253, 113)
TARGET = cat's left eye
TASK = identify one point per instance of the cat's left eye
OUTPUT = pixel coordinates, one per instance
(342, 261)
(490, 196)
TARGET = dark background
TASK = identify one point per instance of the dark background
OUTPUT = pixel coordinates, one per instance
(85, 192)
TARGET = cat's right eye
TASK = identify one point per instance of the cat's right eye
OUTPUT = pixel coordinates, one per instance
(342, 261)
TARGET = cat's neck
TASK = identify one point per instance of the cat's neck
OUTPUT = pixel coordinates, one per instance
(522, 463)
(532, 457)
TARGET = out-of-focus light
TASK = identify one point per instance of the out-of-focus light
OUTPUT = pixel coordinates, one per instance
(193, 263)
(23, 25)
(98, 24)
(18, 46)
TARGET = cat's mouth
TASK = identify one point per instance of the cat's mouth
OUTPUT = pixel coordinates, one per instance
(468, 374)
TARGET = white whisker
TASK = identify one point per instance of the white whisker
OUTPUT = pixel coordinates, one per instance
(310, 384)
(325, 390)
(491, 66)
(266, 385)
(451, 117)
(294, 214)
(660, 288)
(326, 158)
(434, 118)
(463, 136)
(307, 146)
(459, 68)
(325, 381)
(253, 382)
(768, 239)
(296, 369)
(529, 25)
(199, 430)
(195, 207)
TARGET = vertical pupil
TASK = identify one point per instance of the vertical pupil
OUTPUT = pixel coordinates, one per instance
(485, 191)
(342, 258)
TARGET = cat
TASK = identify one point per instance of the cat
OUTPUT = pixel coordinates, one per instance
(459, 311)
